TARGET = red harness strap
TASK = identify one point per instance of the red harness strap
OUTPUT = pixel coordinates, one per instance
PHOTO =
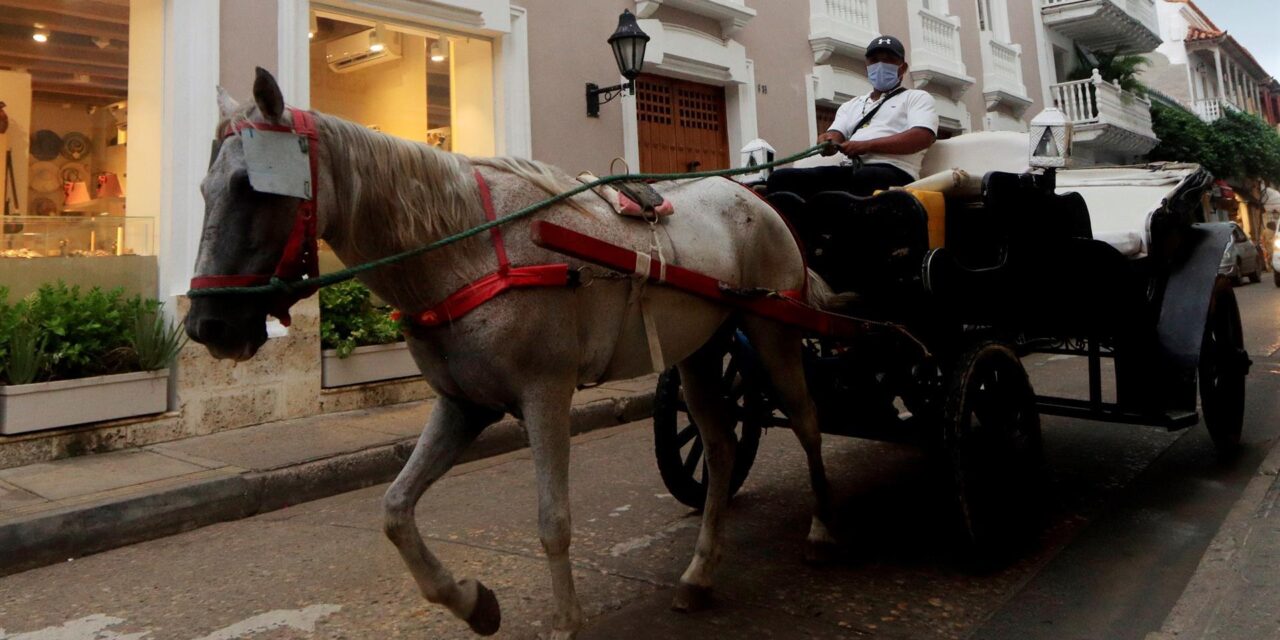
(468, 298)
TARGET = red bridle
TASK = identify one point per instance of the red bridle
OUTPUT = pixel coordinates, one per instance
(299, 259)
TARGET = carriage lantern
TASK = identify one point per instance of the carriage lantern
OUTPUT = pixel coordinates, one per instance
(1050, 140)
(628, 44)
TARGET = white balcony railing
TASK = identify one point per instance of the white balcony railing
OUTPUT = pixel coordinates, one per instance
(1002, 74)
(842, 26)
(1096, 101)
(941, 36)
(1212, 109)
(1143, 11)
(935, 52)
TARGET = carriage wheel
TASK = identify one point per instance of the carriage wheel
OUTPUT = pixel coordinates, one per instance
(678, 445)
(991, 433)
(1224, 363)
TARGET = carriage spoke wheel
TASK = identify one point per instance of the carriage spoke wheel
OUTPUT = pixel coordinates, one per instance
(991, 434)
(1224, 363)
(678, 445)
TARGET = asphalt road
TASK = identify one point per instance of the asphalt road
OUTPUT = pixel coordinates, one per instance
(1131, 510)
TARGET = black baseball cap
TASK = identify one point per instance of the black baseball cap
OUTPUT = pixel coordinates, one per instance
(887, 43)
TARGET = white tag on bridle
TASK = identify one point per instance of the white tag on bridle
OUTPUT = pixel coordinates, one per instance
(279, 162)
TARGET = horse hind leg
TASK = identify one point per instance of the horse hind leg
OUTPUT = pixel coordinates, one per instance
(700, 376)
(546, 419)
(448, 432)
(779, 348)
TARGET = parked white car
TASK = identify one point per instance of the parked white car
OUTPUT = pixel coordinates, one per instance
(1242, 258)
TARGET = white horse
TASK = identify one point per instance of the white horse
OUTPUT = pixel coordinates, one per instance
(523, 352)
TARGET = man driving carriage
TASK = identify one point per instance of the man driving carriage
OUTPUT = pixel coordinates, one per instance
(886, 133)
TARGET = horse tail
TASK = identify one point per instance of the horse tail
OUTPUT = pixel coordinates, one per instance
(820, 294)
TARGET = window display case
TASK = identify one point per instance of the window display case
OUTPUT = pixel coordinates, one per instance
(87, 251)
(30, 237)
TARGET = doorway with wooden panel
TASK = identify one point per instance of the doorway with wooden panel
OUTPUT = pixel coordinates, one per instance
(682, 125)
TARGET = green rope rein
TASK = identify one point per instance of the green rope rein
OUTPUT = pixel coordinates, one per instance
(277, 285)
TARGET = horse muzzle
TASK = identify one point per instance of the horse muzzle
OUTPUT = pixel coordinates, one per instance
(228, 334)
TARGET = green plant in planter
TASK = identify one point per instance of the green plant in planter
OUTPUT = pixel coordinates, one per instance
(87, 334)
(26, 354)
(155, 340)
(349, 319)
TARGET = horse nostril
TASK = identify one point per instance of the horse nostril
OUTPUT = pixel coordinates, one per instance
(210, 330)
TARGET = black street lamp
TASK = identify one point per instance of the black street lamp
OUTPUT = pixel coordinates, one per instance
(628, 44)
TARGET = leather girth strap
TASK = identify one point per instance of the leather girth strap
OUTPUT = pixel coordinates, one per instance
(468, 298)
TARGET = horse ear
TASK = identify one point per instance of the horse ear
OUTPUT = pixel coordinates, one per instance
(226, 104)
(267, 94)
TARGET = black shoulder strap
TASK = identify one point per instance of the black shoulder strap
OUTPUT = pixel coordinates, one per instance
(866, 120)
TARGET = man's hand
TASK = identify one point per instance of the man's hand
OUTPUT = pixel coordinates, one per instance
(831, 136)
(855, 148)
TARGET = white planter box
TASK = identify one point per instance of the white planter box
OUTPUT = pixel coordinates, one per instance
(62, 403)
(368, 364)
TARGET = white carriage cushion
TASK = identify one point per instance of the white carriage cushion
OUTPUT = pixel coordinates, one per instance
(979, 153)
(1128, 243)
(1122, 200)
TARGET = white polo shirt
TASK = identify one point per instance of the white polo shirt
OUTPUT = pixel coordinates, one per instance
(909, 109)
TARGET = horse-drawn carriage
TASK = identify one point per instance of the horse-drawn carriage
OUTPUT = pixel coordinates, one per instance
(948, 285)
(1100, 263)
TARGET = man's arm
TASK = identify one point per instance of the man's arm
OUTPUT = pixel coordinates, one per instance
(899, 144)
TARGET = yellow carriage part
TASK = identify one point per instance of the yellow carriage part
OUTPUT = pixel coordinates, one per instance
(935, 207)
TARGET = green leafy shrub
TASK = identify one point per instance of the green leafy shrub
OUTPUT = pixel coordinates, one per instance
(349, 319)
(62, 333)
(1236, 145)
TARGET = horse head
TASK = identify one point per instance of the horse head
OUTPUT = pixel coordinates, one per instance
(248, 233)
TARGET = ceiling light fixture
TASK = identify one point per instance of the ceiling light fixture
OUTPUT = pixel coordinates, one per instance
(41, 34)
(102, 43)
(378, 41)
(438, 51)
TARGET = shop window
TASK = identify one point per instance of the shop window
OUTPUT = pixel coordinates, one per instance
(421, 85)
(64, 79)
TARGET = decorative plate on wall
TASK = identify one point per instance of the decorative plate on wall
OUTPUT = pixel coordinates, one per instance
(45, 145)
(75, 172)
(44, 207)
(45, 177)
(76, 146)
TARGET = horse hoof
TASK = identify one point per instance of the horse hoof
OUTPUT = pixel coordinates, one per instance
(691, 598)
(820, 553)
(486, 617)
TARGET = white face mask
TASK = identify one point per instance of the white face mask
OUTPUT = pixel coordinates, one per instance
(883, 75)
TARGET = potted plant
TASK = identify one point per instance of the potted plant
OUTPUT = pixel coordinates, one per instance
(68, 358)
(361, 342)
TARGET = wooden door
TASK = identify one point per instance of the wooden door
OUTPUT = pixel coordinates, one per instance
(682, 125)
(826, 118)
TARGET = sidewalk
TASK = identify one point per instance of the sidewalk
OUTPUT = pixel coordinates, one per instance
(1235, 591)
(52, 512)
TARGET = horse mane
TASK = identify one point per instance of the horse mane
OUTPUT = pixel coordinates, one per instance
(433, 192)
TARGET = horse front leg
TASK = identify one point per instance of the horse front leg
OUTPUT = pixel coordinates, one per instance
(700, 376)
(780, 351)
(546, 419)
(451, 428)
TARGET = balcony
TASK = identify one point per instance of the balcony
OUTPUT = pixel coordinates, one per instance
(935, 53)
(732, 15)
(1212, 109)
(1002, 76)
(841, 27)
(1111, 125)
(1129, 26)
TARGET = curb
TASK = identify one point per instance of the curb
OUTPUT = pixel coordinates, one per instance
(1218, 579)
(79, 531)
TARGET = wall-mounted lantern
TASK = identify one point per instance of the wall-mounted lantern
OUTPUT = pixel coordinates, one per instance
(628, 43)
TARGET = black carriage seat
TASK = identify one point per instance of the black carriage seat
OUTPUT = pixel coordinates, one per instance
(873, 246)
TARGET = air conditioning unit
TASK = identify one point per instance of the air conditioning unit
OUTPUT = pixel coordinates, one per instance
(357, 51)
